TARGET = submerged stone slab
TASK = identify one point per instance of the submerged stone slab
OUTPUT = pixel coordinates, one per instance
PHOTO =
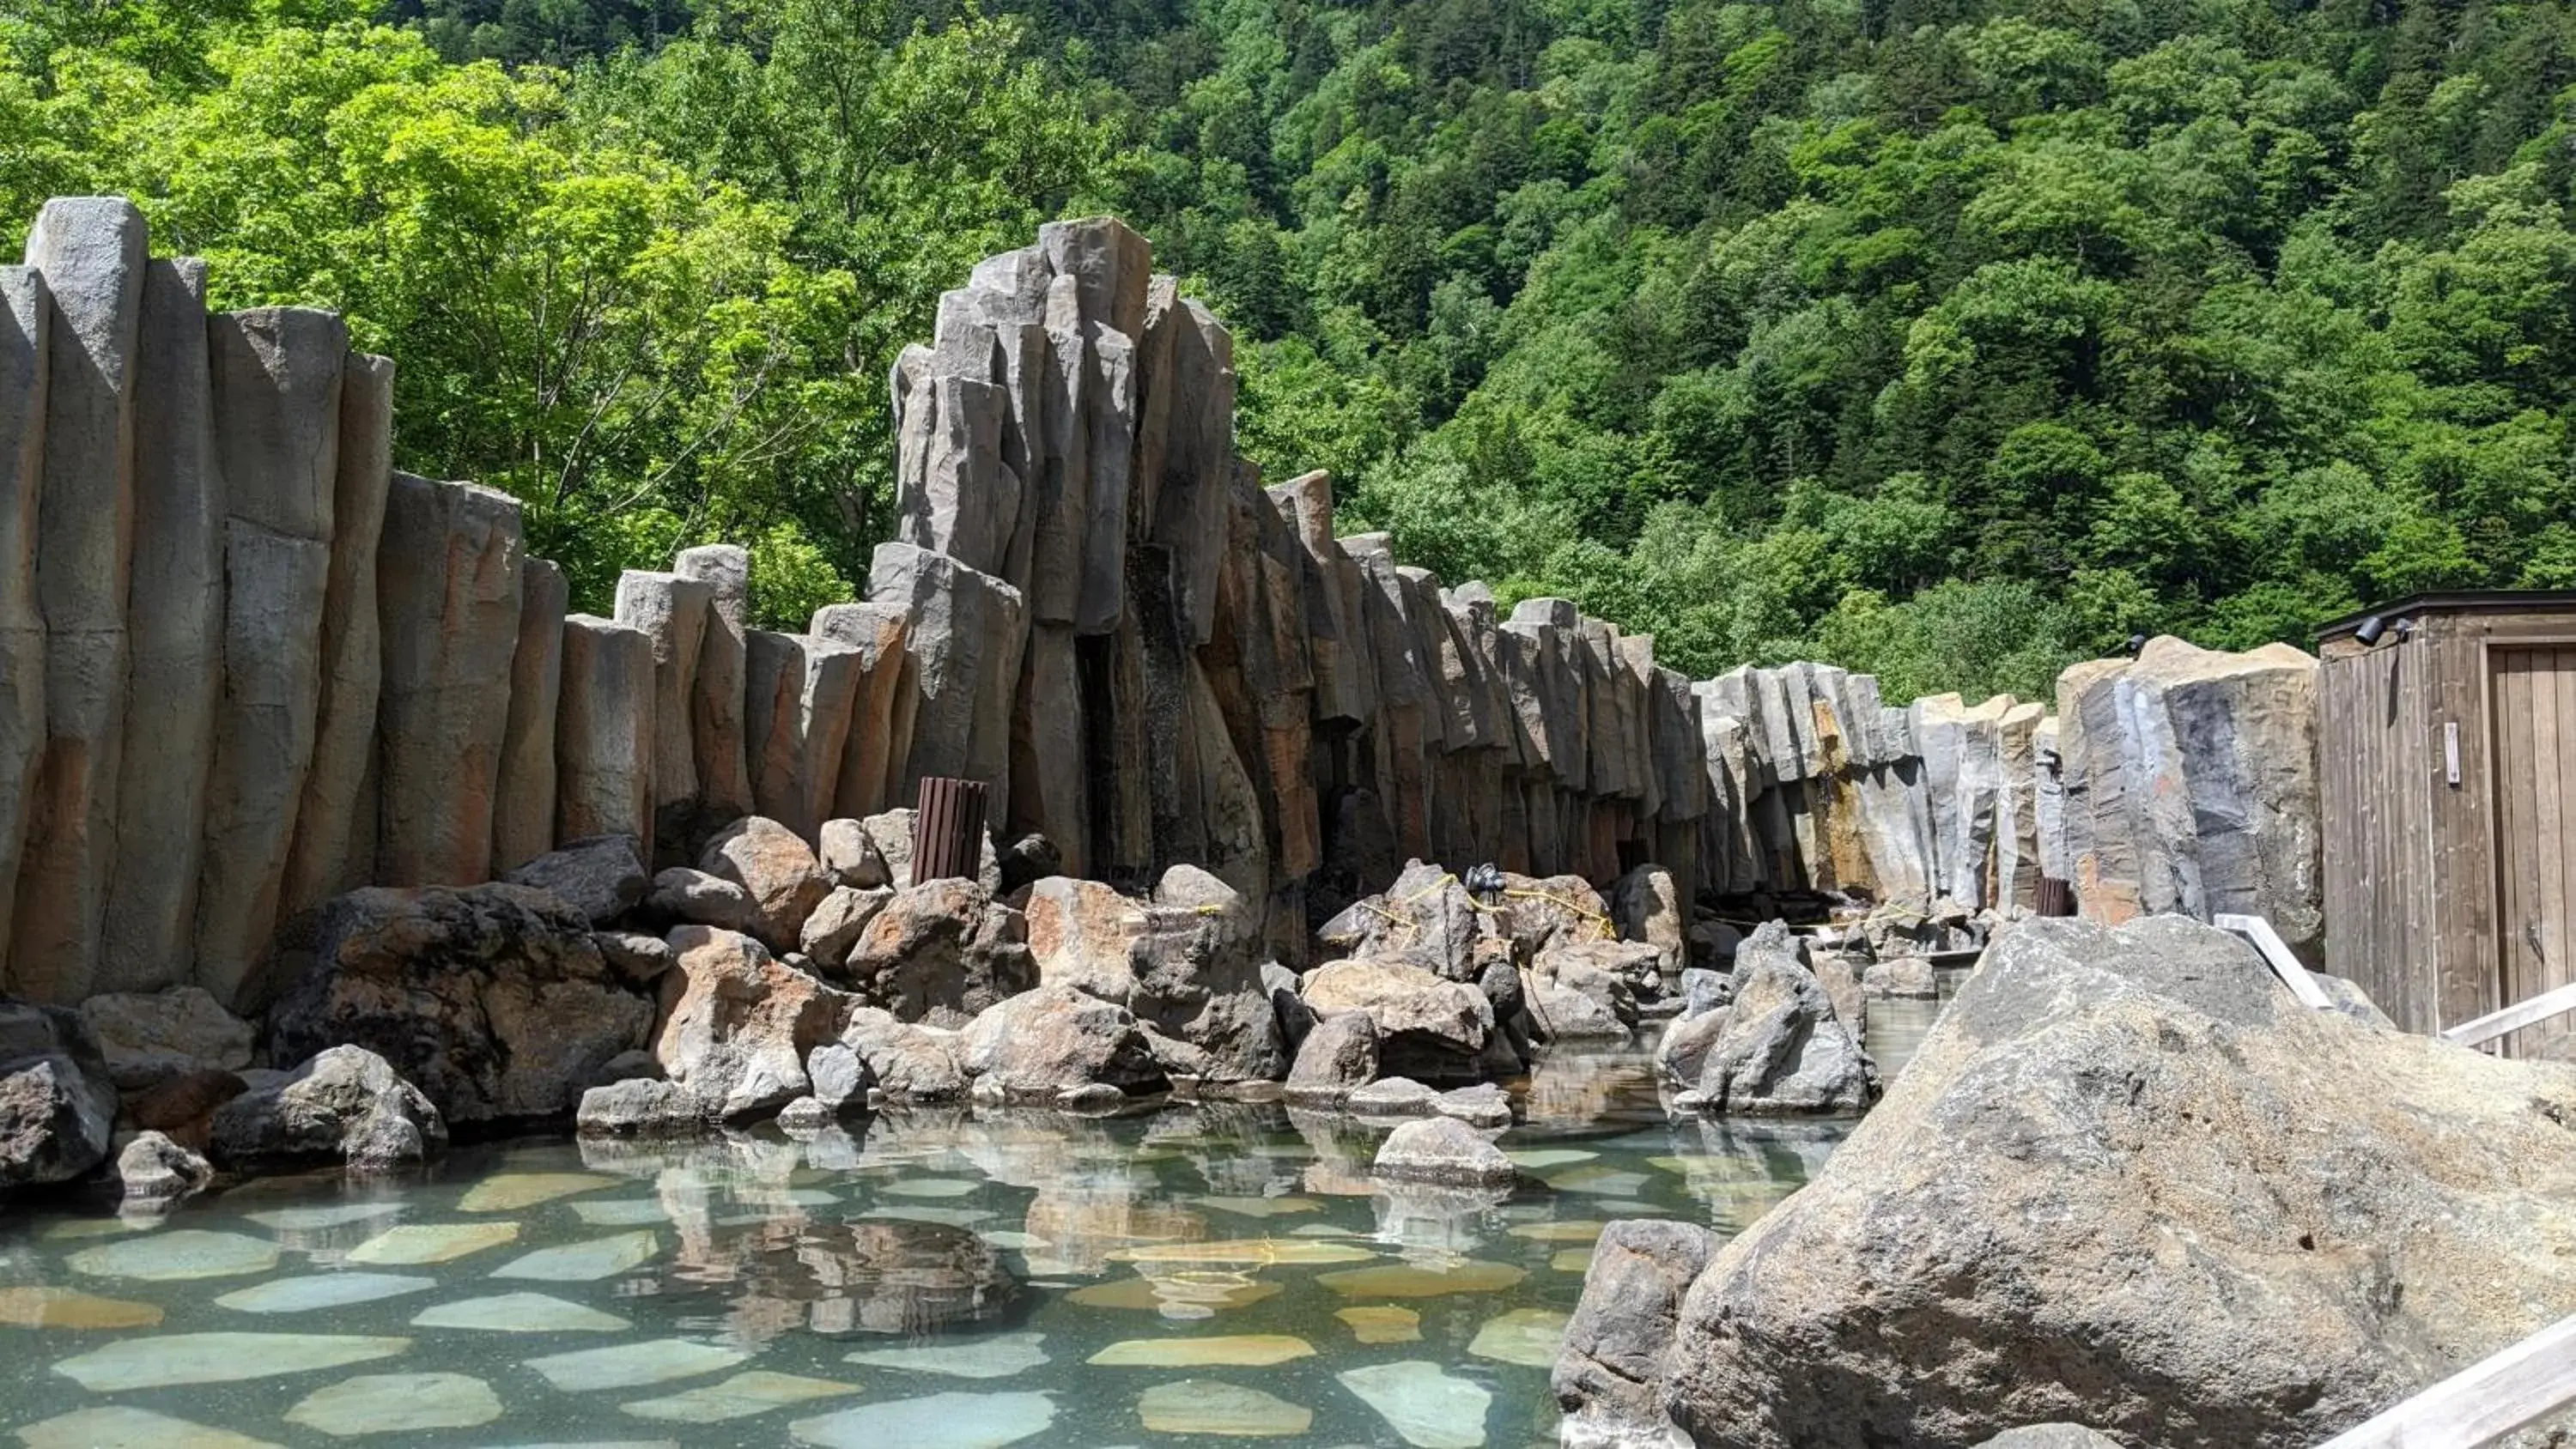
(940, 1421)
(121, 1426)
(218, 1358)
(397, 1404)
(176, 1256)
(738, 1397)
(1207, 1406)
(70, 1308)
(1525, 1336)
(1382, 1323)
(998, 1357)
(1187, 1294)
(417, 1243)
(307, 1292)
(1425, 1405)
(519, 1313)
(1406, 1280)
(584, 1262)
(310, 1219)
(631, 1365)
(1257, 1252)
(1248, 1350)
(513, 1191)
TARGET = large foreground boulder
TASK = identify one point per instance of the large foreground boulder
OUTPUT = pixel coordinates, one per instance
(494, 1000)
(2129, 1182)
(347, 1106)
(57, 1106)
(1609, 1376)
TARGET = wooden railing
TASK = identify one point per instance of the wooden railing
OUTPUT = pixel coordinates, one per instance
(2480, 1404)
(2513, 1018)
(2276, 954)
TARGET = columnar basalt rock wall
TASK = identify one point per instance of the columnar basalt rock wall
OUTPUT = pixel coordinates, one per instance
(246, 666)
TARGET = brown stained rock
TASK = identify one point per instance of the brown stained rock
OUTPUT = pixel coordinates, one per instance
(942, 953)
(1428, 1028)
(1054, 1039)
(736, 1025)
(1083, 934)
(777, 868)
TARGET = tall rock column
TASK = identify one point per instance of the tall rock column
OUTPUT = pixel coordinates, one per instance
(876, 632)
(175, 608)
(449, 578)
(335, 830)
(25, 312)
(673, 609)
(91, 250)
(277, 410)
(963, 663)
(774, 720)
(716, 701)
(523, 807)
(604, 732)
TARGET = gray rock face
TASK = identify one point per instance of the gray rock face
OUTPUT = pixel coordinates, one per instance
(1589, 989)
(449, 573)
(2051, 1436)
(835, 925)
(839, 1074)
(777, 868)
(907, 1061)
(1780, 1048)
(148, 1038)
(716, 726)
(639, 958)
(968, 628)
(641, 1107)
(943, 952)
(494, 1000)
(1428, 1028)
(156, 1172)
(1054, 1039)
(91, 251)
(671, 608)
(1610, 1374)
(1336, 1059)
(604, 732)
(26, 313)
(2091, 1100)
(737, 1026)
(346, 1105)
(175, 616)
(600, 877)
(57, 1107)
(692, 897)
(852, 857)
(1649, 906)
(1909, 977)
(523, 807)
(335, 826)
(1197, 976)
(1443, 1150)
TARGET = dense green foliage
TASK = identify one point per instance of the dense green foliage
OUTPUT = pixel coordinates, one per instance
(1946, 338)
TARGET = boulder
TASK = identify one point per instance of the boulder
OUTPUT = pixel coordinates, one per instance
(346, 1105)
(687, 896)
(1588, 989)
(641, 1107)
(1704, 991)
(836, 924)
(2128, 1180)
(1445, 1151)
(1610, 1372)
(57, 1105)
(1428, 1028)
(1392, 1097)
(494, 1000)
(839, 1074)
(1197, 973)
(1780, 1048)
(182, 1106)
(1538, 912)
(601, 877)
(149, 1038)
(1482, 1105)
(156, 1172)
(1083, 934)
(806, 1114)
(775, 865)
(1908, 977)
(942, 952)
(1338, 1057)
(907, 1061)
(851, 855)
(638, 958)
(1649, 907)
(1053, 1039)
(736, 1025)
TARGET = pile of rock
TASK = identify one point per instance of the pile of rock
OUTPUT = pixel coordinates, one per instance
(2127, 1182)
(1774, 1038)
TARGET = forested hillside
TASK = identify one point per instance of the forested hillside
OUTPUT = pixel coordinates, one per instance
(1949, 340)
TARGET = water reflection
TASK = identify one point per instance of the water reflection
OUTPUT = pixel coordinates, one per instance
(977, 1257)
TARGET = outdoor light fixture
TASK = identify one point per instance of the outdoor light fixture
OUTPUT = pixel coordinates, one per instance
(2137, 645)
(2370, 630)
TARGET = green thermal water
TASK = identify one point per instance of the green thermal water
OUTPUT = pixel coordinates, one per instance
(919, 1280)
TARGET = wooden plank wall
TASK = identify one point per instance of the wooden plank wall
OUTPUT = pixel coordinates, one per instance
(2534, 694)
(2377, 908)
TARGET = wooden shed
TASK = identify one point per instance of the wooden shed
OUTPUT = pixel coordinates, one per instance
(2447, 771)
